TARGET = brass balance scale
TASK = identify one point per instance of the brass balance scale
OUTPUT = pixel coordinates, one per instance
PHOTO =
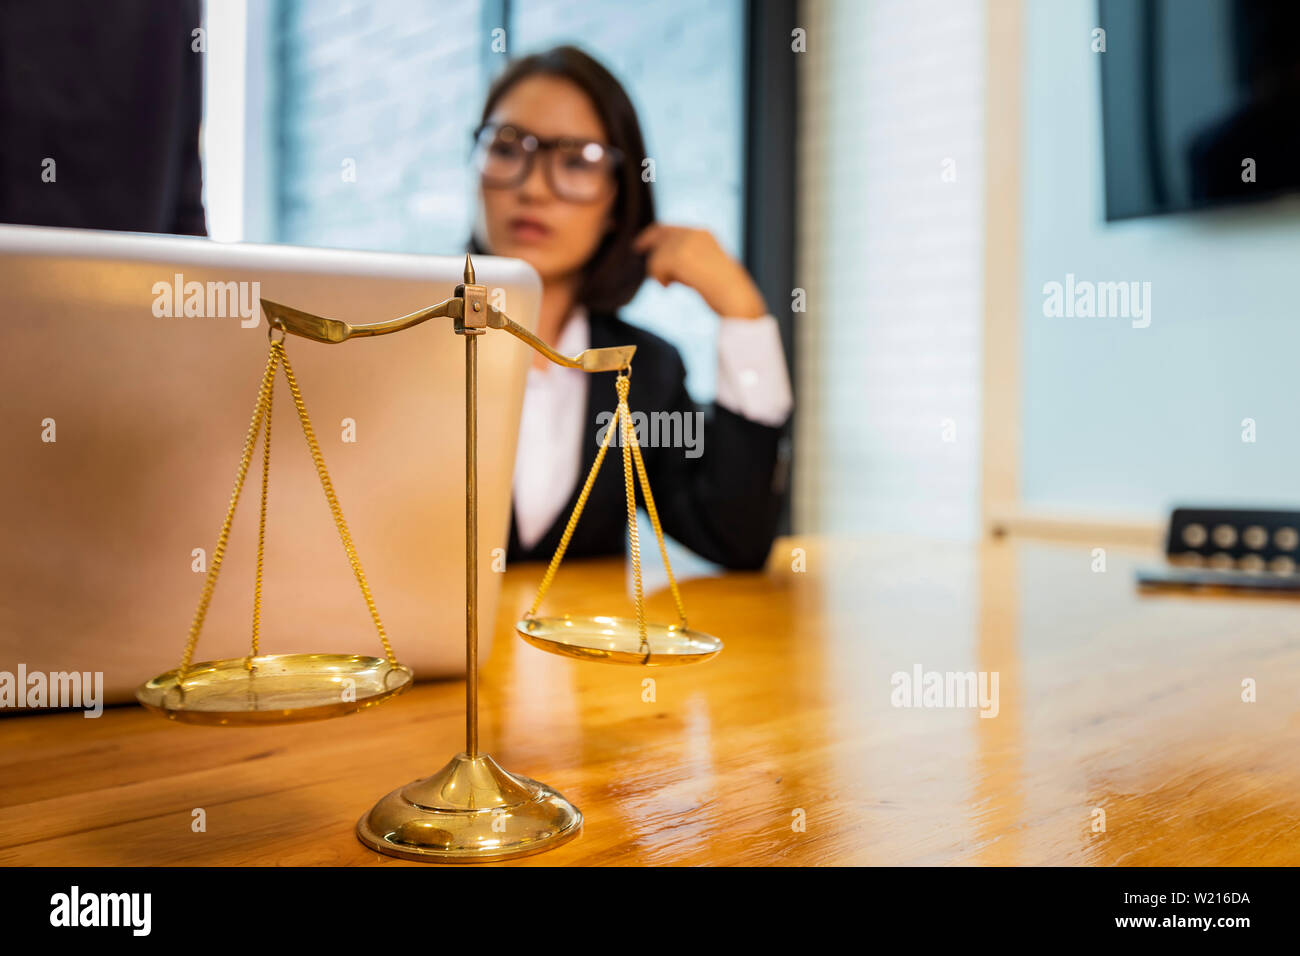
(472, 809)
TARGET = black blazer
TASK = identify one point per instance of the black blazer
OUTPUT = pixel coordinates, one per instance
(723, 504)
(113, 92)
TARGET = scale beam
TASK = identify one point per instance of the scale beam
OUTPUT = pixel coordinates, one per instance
(469, 298)
(333, 331)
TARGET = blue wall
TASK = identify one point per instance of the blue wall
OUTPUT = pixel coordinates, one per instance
(1128, 421)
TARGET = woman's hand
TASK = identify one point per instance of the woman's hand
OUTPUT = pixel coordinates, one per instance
(694, 258)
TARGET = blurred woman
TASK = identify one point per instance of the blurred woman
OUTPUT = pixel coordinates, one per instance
(559, 155)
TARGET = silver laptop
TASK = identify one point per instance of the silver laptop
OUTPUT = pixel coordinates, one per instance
(129, 370)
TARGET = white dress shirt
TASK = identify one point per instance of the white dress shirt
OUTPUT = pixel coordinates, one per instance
(752, 382)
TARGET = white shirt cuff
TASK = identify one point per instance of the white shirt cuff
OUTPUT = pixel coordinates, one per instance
(752, 377)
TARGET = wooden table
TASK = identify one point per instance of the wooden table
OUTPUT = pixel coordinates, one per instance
(1107, 701)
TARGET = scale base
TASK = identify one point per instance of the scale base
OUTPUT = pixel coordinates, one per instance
(470, 811)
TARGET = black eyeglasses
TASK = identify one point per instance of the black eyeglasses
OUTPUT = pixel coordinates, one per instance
(578, 170)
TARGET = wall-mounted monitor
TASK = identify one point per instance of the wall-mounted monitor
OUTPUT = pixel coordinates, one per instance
(1200, 102)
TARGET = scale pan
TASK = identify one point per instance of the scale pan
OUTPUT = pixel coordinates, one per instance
(281, 689)
(616, 640)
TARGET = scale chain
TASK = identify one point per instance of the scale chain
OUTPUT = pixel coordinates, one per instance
(659, 531)
(628, 435)
(342, 526)
(278, 357)
(210, 583)
(556, 558)
(631, 457)
(261, 525)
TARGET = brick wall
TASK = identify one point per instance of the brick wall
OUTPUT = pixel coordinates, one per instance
(891, 169)
(396, 87)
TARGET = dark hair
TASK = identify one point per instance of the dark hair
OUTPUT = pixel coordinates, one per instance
(614, 272)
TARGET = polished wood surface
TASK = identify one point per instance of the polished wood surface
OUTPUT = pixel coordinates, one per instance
(1108, 700)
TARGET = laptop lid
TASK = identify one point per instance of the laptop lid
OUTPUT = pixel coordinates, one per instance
(130, 366)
